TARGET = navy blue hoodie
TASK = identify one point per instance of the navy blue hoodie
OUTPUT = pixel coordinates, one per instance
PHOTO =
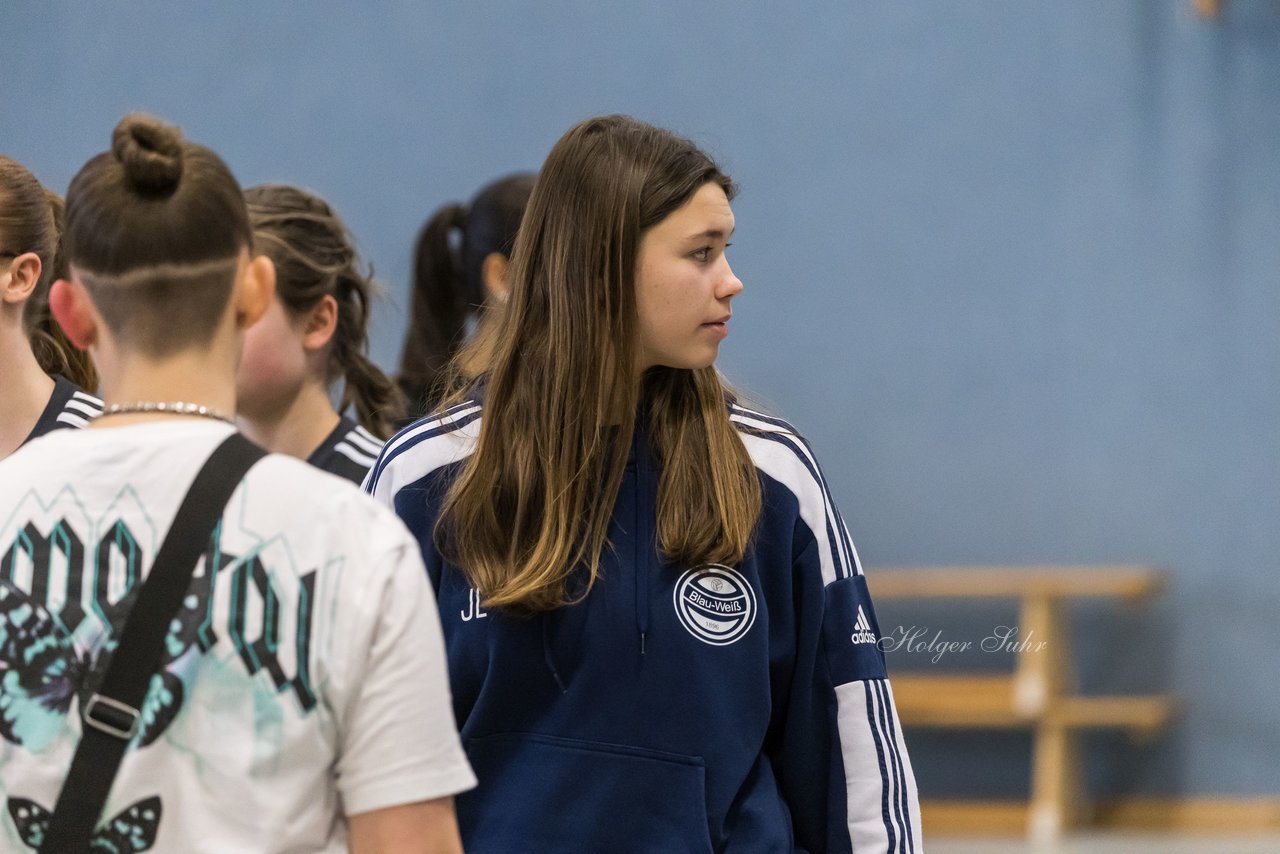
(676, 708)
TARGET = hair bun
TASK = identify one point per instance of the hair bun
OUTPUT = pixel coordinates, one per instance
(150, 152)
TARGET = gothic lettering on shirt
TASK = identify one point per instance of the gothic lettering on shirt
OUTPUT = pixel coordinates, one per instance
(62, 607)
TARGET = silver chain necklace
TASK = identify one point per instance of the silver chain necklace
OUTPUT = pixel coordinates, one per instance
(176, 407)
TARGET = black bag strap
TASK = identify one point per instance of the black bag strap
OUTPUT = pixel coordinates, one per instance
(110, 718)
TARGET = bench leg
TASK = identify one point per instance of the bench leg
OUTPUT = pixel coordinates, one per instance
(1056, 793)
(1044, 671)
(1044, 674)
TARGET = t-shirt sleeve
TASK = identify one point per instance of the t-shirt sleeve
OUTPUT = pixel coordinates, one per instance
(398, 741)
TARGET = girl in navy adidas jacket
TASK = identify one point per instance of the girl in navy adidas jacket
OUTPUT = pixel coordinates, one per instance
(658, 631)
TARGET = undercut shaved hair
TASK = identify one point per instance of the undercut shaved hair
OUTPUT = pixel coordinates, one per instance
(155, 228)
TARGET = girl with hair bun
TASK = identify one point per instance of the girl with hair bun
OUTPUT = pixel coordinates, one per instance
(44, 383)
(659, 634)
(314, 334)
(298, 700)
(460, 271)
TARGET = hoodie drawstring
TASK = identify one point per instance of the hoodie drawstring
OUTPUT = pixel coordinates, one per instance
(644, 544)
(642, 604)
(547, 657)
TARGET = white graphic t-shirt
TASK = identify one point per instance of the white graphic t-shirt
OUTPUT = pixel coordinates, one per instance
(303, 678)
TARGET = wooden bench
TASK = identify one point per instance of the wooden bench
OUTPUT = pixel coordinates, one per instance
(1040, 692)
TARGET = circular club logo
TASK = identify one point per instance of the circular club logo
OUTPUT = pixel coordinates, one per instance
(715, 603)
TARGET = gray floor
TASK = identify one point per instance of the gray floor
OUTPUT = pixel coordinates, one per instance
(1111, 843)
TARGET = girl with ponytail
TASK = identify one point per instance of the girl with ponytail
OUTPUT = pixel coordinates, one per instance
(314, 335)
(459, 274)
(44, 379)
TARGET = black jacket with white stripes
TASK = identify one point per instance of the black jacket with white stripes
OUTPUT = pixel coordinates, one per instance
(68, 406)
(349, 451)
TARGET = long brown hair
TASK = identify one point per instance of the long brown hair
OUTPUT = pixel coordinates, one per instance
(533, 503)
(31, 220)
(315, 257)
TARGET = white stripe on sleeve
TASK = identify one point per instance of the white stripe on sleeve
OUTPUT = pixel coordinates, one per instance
(804, 457)
(880, 797)
(354, 455)
(780, 463)
(364, 440)
(90, 408)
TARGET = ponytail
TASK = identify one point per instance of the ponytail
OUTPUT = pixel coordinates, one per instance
(439, 307)
(448, 284)
(378, 402)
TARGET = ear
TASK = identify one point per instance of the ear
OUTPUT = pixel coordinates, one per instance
(493, 272)
(71, 307)
(255, 290)
(23, 274)
(321, 322)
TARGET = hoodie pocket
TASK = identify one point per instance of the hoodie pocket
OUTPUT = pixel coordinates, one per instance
(541, 793)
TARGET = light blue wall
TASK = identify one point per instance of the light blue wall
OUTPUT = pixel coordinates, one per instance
(1012, 266)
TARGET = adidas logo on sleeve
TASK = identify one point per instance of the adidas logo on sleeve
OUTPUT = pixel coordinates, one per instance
(862, 631)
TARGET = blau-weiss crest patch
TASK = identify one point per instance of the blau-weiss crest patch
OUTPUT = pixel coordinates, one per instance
(715, 603)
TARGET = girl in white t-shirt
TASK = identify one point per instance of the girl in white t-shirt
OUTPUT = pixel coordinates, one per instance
(300, 701)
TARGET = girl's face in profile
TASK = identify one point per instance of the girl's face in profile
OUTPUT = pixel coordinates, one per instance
(273, 364)
(684, 283)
